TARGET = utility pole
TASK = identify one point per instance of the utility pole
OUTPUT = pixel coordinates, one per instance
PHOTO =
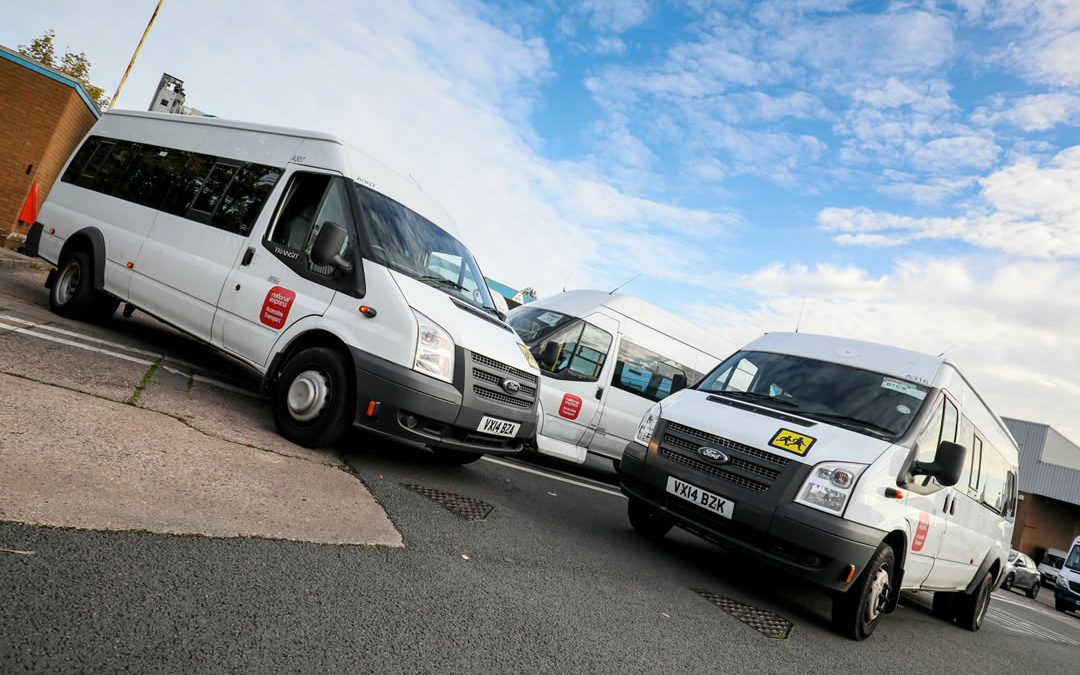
(134, 56)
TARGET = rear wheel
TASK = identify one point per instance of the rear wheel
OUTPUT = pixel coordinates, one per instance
(971, 607)
(648, 522)
(944, 605)
(855, 614)
(1010, 579)
(311, 397)
(1060, 606)
(1033, 592)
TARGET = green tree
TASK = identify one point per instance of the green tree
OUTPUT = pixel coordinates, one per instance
(43, 50)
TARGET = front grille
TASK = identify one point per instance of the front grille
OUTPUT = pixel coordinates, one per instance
(487, 378)
(495, 379)
(503, 368)
(748, 467)
(484, 392)
(764, 471)
(703, 467)
(1074, 586)
(728, 444)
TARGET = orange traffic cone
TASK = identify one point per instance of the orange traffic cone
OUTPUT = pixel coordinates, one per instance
(32, 205)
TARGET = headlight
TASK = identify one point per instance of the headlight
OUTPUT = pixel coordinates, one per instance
(434, 349)
(829, 486)
(1060, 581)
(648, 426)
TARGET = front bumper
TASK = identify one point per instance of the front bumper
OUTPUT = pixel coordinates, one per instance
(419, 409)
(810, 544)
(1066, 597)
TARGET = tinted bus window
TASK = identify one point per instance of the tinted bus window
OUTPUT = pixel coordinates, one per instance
(647, 374)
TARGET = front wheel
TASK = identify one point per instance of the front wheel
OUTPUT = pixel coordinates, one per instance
(311, 397)
(1009, 581)
(1060, 606)
(971, 607)
(648, 522)
(1033, 592)
(856, 614)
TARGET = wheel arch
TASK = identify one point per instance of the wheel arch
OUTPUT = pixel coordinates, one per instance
(90, 240)
(314, 337)
(897, 541)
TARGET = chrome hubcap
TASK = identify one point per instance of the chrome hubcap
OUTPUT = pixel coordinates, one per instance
(879, 594)
(68, 282)
(308, 395)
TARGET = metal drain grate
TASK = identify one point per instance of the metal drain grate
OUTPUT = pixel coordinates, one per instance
(466, 507)
(761, 620)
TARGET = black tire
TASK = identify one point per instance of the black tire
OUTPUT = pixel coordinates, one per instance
(944, 606)
(856, 614)
(646, 521)
(1010, 579)
(455, 457)
(72, 293)
(1033, 592)
(321, 409)
(616, 463)
(1060, 606)
(971, 607)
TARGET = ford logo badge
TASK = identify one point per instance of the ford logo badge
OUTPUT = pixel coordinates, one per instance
(511, 386)
(714, 455)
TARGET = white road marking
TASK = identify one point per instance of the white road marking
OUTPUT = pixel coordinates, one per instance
(1023, 626)
(134, 359)
(552, 476)
(88, 338)
(1009, 598)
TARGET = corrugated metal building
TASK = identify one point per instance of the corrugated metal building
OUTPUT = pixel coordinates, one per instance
(1049, 512)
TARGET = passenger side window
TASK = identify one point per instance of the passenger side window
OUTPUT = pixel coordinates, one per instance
(245, 198)
(948, 428)
(213, 188)
(310, 201)
(582, 351)
(930, 437)
(647, 374)
(975, 466)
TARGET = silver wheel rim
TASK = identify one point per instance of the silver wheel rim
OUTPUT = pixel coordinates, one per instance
(879, 594)
(984, 604)
(68, 282)
(308, 395)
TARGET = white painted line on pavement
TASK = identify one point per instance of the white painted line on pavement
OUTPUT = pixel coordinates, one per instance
(1032, 606)
(88, 338)
(125, 357)
(526, 469)
(1019, 625)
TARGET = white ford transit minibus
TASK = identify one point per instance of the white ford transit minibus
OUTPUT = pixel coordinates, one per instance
(1067, 583)
(863, 468)
(605, 359)
(338, 280)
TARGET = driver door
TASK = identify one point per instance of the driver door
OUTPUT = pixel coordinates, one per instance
(275, 283)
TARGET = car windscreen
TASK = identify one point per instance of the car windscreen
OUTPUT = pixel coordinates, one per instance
(864, 401)
(1053, 561)
(1073, 561)
(405, 241)
(533, 324)
(1012, 555)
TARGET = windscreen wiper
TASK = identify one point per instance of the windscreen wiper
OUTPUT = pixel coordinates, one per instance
(442, 281)
(869, 426)
(757, 397)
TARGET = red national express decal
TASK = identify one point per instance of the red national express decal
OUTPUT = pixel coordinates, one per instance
(275, 309)
(920, 533)
(571, 407)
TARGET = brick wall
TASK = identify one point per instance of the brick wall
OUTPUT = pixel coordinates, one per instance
(1043, 523)
(41, 121)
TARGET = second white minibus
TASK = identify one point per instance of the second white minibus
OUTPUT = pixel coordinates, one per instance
(341, 282)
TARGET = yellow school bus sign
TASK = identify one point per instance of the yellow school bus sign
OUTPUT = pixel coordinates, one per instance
(792, 441)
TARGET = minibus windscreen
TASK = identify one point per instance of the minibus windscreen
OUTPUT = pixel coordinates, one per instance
(1073, 561)
(860, 400)
(405, 241)
(532, 325)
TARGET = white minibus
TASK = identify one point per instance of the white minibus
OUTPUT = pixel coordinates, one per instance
(863, 468)
(604, 360)
(339, 281)
(1067, 583)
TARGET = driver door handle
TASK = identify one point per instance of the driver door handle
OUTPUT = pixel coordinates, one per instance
(248, 255)
(599, 393)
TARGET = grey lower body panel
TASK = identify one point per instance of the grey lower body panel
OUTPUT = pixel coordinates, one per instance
(423, 410)
(808, 543)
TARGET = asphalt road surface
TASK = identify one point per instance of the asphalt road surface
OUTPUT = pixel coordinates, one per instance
(548, 576)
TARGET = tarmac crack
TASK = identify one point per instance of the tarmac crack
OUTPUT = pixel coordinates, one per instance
(144, 382)
(339, 465)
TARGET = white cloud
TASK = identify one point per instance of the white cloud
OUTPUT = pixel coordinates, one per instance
(1034, 113)
(1049, 38)
(1027, 209)
(617, 16)
(957, 152)
(1011, 326)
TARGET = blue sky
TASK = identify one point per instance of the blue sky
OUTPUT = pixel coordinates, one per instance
(905, 172)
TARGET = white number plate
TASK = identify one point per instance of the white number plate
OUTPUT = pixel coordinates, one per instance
(703, 498)
(498, 427)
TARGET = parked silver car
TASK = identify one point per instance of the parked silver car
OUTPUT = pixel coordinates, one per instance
(1022, 574)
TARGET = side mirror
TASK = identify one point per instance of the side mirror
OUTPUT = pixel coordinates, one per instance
(678, 382)
(948, 464)
(549, 355)
(327, 247)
